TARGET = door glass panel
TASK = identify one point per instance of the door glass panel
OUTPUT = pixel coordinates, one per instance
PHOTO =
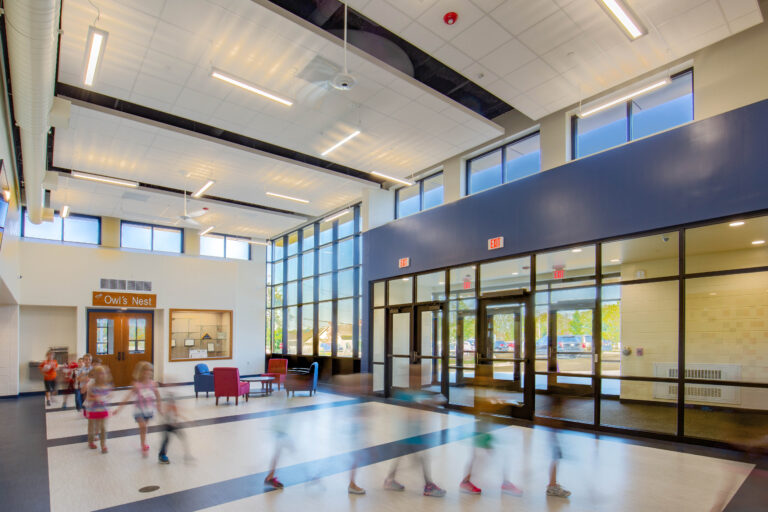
(573, 345)
(105, 336)
(400, 290)
(430, 345)
(461, 357)
(137, 335)
(400, 372)
(401, 334)
(379, 316)
(378, 377)
(566, 268)
(463, 282)
(378, 294)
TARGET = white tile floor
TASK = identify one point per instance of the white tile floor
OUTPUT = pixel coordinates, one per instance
(603, 474)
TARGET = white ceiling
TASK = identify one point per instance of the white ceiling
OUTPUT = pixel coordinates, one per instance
(103, 143)
(541, 56)
(159, 53)
(98, 199)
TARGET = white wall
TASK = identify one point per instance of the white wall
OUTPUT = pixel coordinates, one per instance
(55, 274)
(9, 350)
(41, 328)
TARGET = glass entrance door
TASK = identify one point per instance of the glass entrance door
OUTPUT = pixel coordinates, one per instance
(401, 353)
(430, 353)
(571, 349)
(504, 382)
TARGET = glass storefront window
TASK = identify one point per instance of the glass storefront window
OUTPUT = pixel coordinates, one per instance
(326, 232)
(307, 329)
(277, 249)
(568, 267)
(463, 282)
(346, 225)
(326, 259)
(378, 294)
(308, 263)
(293, 244)
(408, 200)
(277, 295)
(641, 258)
(602, 130)
(291, 293)
(505, 275)
(325, 328)
(433, 191)
(277, 272)
(292, 333)
(485, 172)
(308, 290)
(664, 108)
(346, 253)
(522, 158)
(400, 290)
(325, 287)
(308, 234)
(344, 347)
(430, 287)
(736, 244)
(346, 283)
(292, 267)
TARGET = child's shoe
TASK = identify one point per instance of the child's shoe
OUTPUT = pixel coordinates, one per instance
(163, 459)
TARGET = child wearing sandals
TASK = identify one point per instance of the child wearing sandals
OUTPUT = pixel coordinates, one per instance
(97, 397)
(147, 400)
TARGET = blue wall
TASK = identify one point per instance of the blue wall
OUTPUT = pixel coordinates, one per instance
(704, 170)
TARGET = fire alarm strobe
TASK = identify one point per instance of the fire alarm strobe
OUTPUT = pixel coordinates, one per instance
(450, 18)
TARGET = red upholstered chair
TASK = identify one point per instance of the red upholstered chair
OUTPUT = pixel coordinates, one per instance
(226, 382)
(277, 368)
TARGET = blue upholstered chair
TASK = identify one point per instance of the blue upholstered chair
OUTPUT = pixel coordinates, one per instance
(203, 379)
(302, 382)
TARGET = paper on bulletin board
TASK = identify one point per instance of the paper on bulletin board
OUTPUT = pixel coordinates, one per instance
(198, 354)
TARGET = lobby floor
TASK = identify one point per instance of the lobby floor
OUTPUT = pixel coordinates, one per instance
(232, 447)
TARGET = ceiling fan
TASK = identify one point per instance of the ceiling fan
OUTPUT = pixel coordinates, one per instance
(188, 218)
(344, 81)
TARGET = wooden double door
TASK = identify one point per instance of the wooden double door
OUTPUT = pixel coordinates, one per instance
(120, 339)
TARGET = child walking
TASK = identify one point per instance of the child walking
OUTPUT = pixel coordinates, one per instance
(171, 418)
(48, 369)
(84, 377)
(147, 400)
(97, 397)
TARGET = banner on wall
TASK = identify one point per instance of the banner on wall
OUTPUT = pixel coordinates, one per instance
(125, 300)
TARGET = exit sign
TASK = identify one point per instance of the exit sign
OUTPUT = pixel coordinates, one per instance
(495, 243)
(404, 262)
(558, 274)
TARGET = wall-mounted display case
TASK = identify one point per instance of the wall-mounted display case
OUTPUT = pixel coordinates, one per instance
(200, 334)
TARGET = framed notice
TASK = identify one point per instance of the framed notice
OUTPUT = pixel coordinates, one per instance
(211, 347)
(189, 343)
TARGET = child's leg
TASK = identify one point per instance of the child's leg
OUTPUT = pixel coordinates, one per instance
(78, 399)
(142, 432)
(166, 438)
(91, 431)
(102, 426)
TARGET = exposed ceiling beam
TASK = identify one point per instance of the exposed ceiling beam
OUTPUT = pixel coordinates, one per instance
(150, 187)
(101, 102)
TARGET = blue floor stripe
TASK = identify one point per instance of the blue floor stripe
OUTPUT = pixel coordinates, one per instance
(63, 441)
(252, 485)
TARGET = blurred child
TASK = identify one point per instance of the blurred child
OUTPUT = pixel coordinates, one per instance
(554, 488)
(70, 372)
(97, 396)
(77, 384)
(144, 388)
(48, 369)
(171, 418)
(84, 377)
(280, 427)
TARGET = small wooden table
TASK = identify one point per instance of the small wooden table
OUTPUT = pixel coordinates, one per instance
(266, 384)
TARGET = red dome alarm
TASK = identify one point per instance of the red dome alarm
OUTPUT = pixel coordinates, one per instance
(450, 18)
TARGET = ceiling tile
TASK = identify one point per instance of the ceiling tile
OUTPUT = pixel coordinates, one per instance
(432, 18)
(550, 33)
(157, 88)
(166, 67)
(387, 16)
(481, 38)
(516, 16)
(413, 8)
(745, 22)
(487, 5)
(530, 75)
(421, 37)
(453, 57)
(734, 9)
(480, 74)
(508, 57)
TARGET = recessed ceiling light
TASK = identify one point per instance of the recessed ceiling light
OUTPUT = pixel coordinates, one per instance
(342, 141)
(713, 293)
(281, 196)
(392, 178)
(243, 84)
(615, 260)
(575, 250)
(202, 189)
(206, 230)
(336, 215)
(64, 212)
(624, 98)
(258, 242)
(758, 242)
(515, 273)
(97, 40)
(623, 16)
(104, 179)
(736, 224)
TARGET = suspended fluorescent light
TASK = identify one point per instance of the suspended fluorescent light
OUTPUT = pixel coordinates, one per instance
(336, 215)
(631, 95)
(281, 196)
(64, 212)
(736, 224)
(622, 15)
(238, 82)
(342, 141)
(206, 230)
(202, 190)
(392, 178)
(97, 40)
(258, 242)
(104, 179)
(758, 242)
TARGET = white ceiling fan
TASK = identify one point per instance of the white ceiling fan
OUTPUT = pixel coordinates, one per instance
(188, 217)
(344, 81)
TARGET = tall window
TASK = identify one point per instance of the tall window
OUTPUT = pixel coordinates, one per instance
(510, 162)
(314, 292)
(73, 228)
(422, 195)
(656, 111)
(148, 237)
(225, 246)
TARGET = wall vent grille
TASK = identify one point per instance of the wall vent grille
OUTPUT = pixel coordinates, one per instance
(698, 392)
(122, 284)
